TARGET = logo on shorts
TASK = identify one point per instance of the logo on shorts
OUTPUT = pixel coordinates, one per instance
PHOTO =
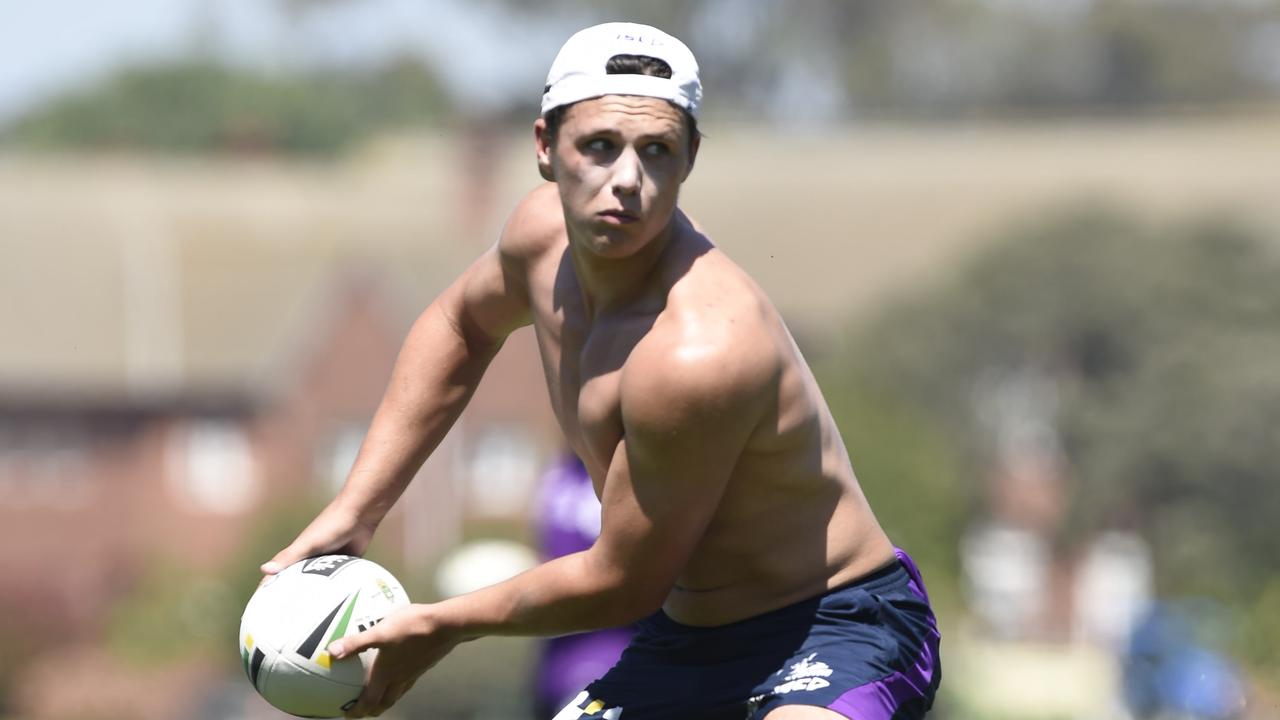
(584, 707)
(805, 675)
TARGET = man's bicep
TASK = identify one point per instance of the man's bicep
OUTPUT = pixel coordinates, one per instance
(652, 519)
(665, 484)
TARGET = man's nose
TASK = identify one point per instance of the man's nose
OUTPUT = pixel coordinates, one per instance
(627, 173)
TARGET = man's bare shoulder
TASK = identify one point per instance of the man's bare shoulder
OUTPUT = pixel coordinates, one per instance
(713, 349)
(535, 225)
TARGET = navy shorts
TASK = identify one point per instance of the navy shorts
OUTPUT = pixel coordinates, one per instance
(867, 650)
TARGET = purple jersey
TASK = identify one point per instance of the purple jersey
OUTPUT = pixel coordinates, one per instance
(568, 521)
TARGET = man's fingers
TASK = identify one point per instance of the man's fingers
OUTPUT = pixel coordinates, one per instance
(353, 644)
(390, 697)
(375, 698)
(369, 700)
(282, 560)
(268, 569)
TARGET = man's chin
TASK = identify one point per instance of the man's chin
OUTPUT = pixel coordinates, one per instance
(614, 243)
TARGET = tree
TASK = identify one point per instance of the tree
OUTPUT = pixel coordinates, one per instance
(1161, 346)
(198, 106)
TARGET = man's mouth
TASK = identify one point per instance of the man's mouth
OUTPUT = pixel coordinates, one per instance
(621, 217)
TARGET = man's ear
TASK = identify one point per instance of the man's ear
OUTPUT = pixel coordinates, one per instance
(693, 155)
(542, 142)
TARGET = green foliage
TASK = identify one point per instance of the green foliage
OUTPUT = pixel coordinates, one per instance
(962, 58)
(1160, 344)
(17, 645)
(175, 612)
(1175, 52)
(1260, 631)
(909, 472)
(170, 615)
(197, 106)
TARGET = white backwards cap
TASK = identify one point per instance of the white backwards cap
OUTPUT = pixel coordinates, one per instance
(578, 72)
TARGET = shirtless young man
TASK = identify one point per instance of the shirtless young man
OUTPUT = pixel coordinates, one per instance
(733, 529)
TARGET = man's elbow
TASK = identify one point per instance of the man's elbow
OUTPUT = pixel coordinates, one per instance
(634, 596)
(636, 605)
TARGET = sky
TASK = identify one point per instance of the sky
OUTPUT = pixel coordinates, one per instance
(486, 52)
(48, 47)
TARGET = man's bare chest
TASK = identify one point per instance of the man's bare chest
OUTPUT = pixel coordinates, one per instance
(584, 362)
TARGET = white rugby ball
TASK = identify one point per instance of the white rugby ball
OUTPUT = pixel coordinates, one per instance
(294, 615)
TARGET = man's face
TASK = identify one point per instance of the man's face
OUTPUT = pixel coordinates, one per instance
(618, 161)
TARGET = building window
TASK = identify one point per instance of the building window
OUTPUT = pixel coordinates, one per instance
(1007, 577)
(501, 469)
(43, 465)
(340, 454)
(211, 467)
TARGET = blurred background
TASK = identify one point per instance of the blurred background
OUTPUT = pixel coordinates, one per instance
(1030, 247)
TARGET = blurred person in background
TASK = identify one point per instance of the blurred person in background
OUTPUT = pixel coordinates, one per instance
(1169, 672)
(567, 517)
(733, 529)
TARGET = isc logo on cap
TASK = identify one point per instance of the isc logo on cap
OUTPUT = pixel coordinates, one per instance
(639, 39)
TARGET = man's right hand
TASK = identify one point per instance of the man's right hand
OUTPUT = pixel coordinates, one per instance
(336, 530)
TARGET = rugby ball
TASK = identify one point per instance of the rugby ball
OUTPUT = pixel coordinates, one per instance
(295, 614)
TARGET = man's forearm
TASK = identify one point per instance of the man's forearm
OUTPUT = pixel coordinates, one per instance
(566, 595)
(435, 375)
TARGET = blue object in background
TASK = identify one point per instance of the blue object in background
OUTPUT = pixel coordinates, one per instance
(1169, 670)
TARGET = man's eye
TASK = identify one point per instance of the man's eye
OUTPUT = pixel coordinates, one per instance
(599, 145)
(656, 150)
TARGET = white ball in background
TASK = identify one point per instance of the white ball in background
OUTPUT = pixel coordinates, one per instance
(482, 563)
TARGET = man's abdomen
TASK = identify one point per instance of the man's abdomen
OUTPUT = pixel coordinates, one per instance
(769, 556)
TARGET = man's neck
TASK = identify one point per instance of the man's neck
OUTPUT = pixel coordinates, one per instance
(609, 284)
